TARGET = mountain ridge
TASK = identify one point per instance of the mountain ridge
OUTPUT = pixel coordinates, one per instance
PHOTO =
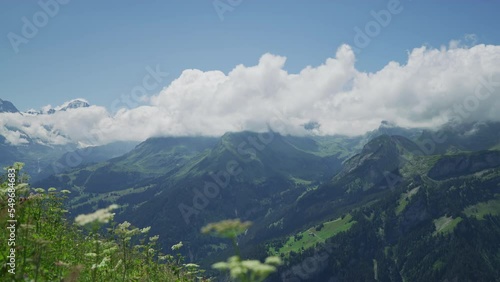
(7, 107)
(68, 105)
(387, 191)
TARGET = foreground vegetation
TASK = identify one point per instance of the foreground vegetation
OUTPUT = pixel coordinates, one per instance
(49, 247)
(46, 246)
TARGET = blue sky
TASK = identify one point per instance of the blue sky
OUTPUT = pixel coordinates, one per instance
(99, 50)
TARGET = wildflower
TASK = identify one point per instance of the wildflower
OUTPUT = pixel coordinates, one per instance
(40, 190)
(124, 225)
(273, 260)
(145, 229)
(97, 242)
(102, 216)
(110, 250)
(177, 246)
(154, 238)
(22, 187)
(123, 230)
(166, 257)
(102, 264)
(238, 268)
(258, 268)
(191, 265)
(233, 262)
(230, 228)
(65, 191)
(133, 232)
(108, 244)
(52, 189)
(220, 265)
(91, 255)
(160, 258)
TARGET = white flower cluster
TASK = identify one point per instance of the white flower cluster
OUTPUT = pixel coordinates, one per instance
(123, 230)
(101, 216)
(238, 268)
(177, 246)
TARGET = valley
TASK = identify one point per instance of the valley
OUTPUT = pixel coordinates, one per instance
(305, 194)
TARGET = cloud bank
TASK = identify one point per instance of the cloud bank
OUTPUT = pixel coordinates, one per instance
(435, 86)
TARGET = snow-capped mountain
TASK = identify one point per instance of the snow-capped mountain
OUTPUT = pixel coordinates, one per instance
(43, 140)
(73, 104)
(36, 126)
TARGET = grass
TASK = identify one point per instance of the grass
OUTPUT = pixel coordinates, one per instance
(496, 147)
(418, 165)
(404, 199)
(445, 224)
(482, 209)
(311, 237)
(111, 196)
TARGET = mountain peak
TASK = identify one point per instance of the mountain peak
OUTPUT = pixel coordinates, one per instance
(391, 128)
(73, 104)
(381, 155)
(390, 141)
(7, 107)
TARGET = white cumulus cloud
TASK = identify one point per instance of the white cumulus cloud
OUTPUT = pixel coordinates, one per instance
(433, 86)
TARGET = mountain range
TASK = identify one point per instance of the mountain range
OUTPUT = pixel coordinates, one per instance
(73, 104)
(394, 204)
(385, 212)
(46, 156)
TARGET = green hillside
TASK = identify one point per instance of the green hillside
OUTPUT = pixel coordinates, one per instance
(387, 209)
